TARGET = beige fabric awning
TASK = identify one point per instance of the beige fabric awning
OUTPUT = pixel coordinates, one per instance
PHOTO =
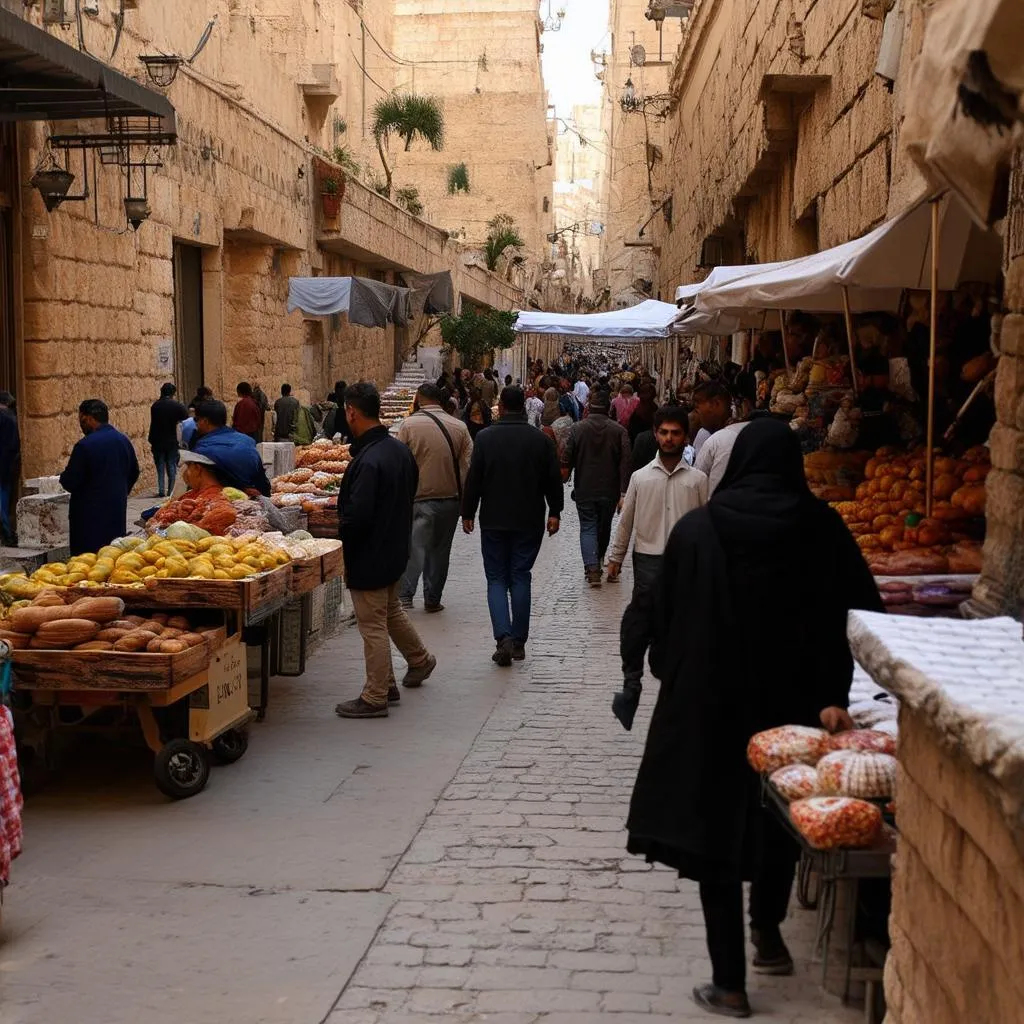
(966, 100)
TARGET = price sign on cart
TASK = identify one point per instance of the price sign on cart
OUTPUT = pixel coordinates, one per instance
(227, 695)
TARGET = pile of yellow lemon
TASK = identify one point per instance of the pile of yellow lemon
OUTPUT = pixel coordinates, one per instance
(135, 560)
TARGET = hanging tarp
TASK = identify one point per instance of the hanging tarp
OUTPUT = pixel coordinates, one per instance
(649, 319)
(367, 303)
(691, 322)
(966, 100)
(874, 270)
(435, 291)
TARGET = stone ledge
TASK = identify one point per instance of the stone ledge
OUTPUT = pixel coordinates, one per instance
(966, 679)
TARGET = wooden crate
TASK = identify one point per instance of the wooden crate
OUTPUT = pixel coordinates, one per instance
(107, 670)
(332, 564)
(306, 575)
(239, 595)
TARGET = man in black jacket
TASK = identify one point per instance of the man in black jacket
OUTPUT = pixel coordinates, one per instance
(513, 472)
(164, 416)
(375, 512)
(597, 454)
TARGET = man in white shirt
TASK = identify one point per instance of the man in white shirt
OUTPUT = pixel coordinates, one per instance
(658, 496)
(713, 405)
(582, 392)
(713, 457)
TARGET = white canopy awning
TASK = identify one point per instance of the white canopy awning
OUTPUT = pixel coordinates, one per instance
(687, 293)
(875, 269)
(691, 321)
(650, 319)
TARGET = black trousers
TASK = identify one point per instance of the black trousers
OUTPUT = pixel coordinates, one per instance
(636, 631)
(770, 891)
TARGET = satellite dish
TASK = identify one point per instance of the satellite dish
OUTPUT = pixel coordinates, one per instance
(637, 56)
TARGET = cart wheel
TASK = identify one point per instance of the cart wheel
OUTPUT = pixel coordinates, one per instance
(181, 768)
(229, 746)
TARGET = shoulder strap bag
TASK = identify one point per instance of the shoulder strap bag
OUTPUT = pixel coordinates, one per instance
(451, 448)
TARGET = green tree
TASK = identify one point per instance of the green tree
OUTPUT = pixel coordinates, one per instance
(501, 234)
(475, 333)
(409, 117)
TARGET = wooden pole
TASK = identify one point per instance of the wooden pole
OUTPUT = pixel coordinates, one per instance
(784, 328)
(929, 455)
(848, 317)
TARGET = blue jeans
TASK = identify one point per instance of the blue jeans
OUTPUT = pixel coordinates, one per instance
(596, 516)
(433, 529)
(166, 462)
(508, 559)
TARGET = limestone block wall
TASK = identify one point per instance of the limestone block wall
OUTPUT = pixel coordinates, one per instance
(780, 135)
(483, 62)
(957, 924)
(1000, 591)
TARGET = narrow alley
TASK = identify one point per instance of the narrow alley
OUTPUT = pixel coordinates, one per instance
(461, 861)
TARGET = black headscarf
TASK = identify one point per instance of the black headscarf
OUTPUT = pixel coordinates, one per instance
(763, 494)
(750, 615)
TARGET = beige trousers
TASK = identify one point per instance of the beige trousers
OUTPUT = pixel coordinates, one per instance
(381, 619)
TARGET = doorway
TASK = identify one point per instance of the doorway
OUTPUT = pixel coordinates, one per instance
(188, 319)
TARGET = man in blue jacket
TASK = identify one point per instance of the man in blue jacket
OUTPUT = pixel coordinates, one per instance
(375, 505)
(513, 473)
(235, 454)
(99, 476)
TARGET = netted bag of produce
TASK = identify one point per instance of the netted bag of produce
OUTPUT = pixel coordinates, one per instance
(795, 781)
(864, 739)
(860, 773)
(786, 744)
(829, 822)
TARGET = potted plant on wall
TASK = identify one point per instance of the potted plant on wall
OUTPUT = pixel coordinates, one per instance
(330, 197)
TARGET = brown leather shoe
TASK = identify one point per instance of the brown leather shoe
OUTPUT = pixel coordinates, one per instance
(418, 675)
(358, 708)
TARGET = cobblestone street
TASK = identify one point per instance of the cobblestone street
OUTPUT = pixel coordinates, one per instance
(462, 861)
(517, 902)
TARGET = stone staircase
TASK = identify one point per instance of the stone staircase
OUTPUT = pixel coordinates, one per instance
(396, 399)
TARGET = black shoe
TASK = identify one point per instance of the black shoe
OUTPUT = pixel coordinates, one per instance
(432, 608)
(518, 650)
(416, 676)
(503, 655)
(593, 577)
(724, 1004)
(358, 708)
(394, 694)
(770, 953)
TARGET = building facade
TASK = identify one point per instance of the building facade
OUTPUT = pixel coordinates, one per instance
(197, 294)
(635, 77)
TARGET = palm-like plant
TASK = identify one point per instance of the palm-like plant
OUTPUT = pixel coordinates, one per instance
(409, 117)
(502, 233)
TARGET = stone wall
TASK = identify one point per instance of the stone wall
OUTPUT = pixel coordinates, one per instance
(780, 136)
(484, 65)
(1000, 591)
(634, 184)
(957, 924)
(99, 298)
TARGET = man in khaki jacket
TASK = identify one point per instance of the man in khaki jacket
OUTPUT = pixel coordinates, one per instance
(442, 448)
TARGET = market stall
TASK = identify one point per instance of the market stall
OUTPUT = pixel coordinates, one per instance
(884, 343)
(833, 795)
(155, 630)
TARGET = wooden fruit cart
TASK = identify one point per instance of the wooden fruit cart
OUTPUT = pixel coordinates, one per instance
(252, 605)
(192, 707)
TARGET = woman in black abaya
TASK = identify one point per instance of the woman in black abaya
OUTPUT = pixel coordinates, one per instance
(751, 624)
